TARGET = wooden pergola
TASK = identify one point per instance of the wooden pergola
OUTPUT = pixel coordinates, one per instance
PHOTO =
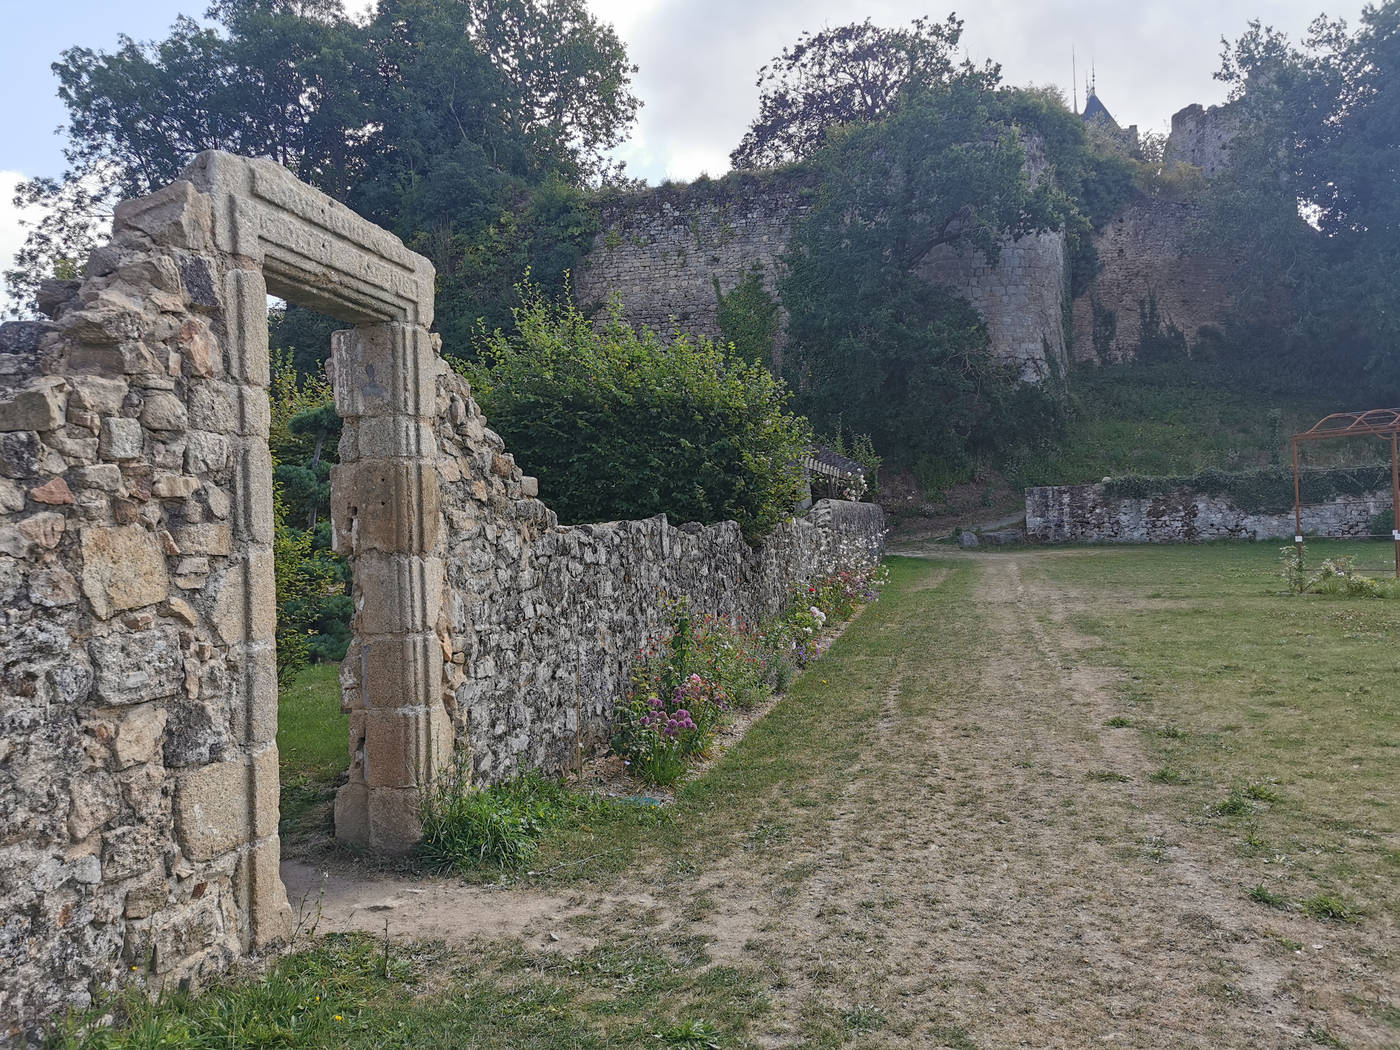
(1378, 422)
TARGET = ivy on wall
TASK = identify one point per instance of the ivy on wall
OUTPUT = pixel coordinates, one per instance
(1266, 491)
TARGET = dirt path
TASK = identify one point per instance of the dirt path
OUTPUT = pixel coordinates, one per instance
(997, 870)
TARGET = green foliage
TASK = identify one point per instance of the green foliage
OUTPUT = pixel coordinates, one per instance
(748, 317)
(312, 582)
(455, 123)
(1332, 907)
(1265, 491)
(869, 340)
(465, 828)
(1159, 338)
(860, 448)
(1307, 205)
(1293, 561)
(851, 74)
(617, 424)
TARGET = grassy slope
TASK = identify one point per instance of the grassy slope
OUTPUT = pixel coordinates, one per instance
(1169, 419)
(312, 746)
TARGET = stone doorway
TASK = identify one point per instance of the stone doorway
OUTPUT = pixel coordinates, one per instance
(274, 235)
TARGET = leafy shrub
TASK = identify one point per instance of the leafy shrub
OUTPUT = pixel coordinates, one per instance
(618, 424)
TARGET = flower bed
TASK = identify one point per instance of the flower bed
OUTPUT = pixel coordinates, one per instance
(688, 683)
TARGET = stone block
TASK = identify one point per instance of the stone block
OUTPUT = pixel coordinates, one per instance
(206, 453)
(397, 594)
(386, 505)
(208, 538)
(53, 587)
(217, 808)
(400, 671)
(121, 438)
(405, 748)
(395, 820)
(246, 342)
(268, 911)
(54, 492)
(252, 511)
(165, 485)
(384, 370)
(20, 453)
(123, 568)
(139, 735)
(352, 814)
(200, 349)
(175, 216)
(105, 477)
(136, 666)
(164, 411)
(41, 407)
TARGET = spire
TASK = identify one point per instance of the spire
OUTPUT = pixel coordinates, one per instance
(1074, 76)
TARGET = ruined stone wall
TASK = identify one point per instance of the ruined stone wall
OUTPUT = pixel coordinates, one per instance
(1087, 514)
(138, 691)
(1145, 252)
(138, 784)
(544, 621)
(662, 250)
(1201, 137)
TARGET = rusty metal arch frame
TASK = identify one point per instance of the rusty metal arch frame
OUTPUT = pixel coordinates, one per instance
(1375, 422)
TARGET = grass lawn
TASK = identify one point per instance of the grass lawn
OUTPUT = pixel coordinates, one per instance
(1275, 716)
(312, 748)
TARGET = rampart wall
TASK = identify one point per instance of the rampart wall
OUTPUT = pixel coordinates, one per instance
(663, 250)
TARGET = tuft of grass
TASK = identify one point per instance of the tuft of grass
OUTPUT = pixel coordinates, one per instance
(1261, 792)
(1236, 804)
(1332, 907)
(1322, 1037)
(863, 1019)
(1107, 776)
(1118, 722)
(1261, 894)
(691, 1035)
(1169, 775)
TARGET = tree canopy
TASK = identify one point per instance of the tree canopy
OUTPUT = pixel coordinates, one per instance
(1308, 204)
(852, 74)
(431, 117)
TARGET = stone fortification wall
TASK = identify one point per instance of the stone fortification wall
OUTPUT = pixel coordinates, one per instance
(662, 250)
(1201, 137)
(1146, 252)
(544, 621)
(138, 691)
(1088, 514)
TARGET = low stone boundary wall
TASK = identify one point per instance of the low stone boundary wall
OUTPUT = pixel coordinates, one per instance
(1089, 514)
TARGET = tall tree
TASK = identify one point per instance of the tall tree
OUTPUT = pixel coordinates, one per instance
(431, 116)
(873, 343)
(1309, 201)
(853, 74)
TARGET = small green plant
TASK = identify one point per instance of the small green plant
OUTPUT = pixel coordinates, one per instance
(691, 1035)
(1261, 894)
(1170, 775)
(1261, 792)
(1332, 907)
(1236, 804)
(1107, 776)
(1118, 722)
(1292, 567)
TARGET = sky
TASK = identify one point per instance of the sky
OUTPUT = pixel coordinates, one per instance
(698, 60)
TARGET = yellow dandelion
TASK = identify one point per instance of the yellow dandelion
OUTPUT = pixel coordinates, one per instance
(337, 1017)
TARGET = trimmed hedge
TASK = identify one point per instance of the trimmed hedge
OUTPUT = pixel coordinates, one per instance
(1265, 491)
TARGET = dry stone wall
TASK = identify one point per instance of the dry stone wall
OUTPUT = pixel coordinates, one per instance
(1088, 514)
(663, 250)
(138, 692)
(543, 621)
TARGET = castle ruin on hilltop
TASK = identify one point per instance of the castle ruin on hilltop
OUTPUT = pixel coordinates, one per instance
(668, 252)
